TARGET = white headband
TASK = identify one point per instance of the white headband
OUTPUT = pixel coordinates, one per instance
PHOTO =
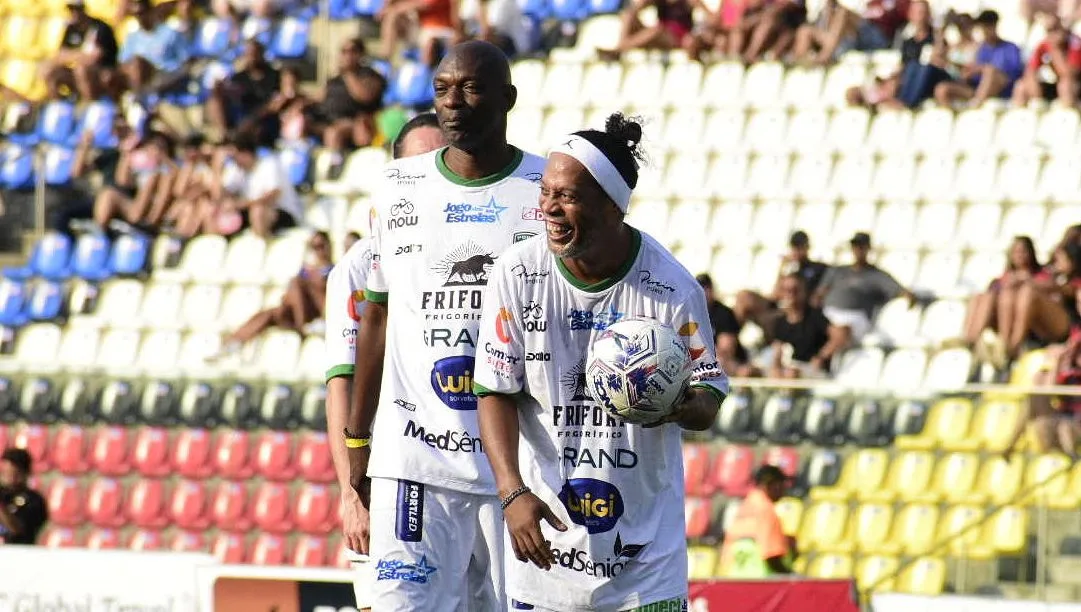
(599, 166)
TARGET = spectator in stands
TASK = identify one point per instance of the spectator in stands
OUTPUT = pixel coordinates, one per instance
(732, 354)
(194, 186)
(727, 30)
(755, 545)
(428, 24)
(837, 30)
(893, 91)
(87, 57)
(762, 310)
(1068, 10)
(140, 172)
(499, 22)
(1055, 421)
(424, 136)
(850, 295)
(1054, 69)
(245, 98)
(1044, 306)
(164, 51)
(303, 302)
(774, 32)
(262, 197)
(804, 341)
(185, 19)
(23, 511)
(1022, 266)
(675, 21)
(351, 238)
(997, 67)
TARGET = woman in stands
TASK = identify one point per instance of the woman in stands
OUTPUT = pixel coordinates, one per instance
(1044, 307)
(988, 310)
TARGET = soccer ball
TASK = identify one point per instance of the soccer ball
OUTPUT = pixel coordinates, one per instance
(638, 369)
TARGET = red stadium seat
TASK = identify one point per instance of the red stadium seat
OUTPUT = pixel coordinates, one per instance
(69, 450)
(103, 539)
(699, 512)
(696, 469)
(342, 556)
(109, 451)
(268, 549)
(188, 541)
(270, 508)
(230, 507)
(191, 454)
(231, 455)
(151, 456)
(228, 547)
(146, 504)
(188, 507)
(314, 509)
(104, 503)
(146, 539)
(731, 471)
(65, 499)
(310, 551)
(783, 457)
(35, 439)
(59, 537)
(274, 456)
(313, 458)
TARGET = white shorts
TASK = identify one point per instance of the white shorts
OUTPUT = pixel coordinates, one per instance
(675, 604)
(856, 321)
(435, 549)
(363, 581)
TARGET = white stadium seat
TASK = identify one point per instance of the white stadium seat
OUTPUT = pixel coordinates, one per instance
(1060, 181)
(942, 321)
(639, 78)
(239, 304)
(772, 223)
(767, 176)
(600, 81)
(201, 306)
(312, 361)
(811, 174)
(161, 305)
(1016, 130)
(980, 269)
(728, 175)
(766, 131)
(118, 351)
(36, 349)
(724, 130)
(721, 85)
(559, 80)
(902, 265)
(852, 177)
(936, 223)
(683, 130)
(860, 368)
(194, 349)
(932, 130)
(1018, 175)
(935, 176)
(979, 225)
(1023, 220)
(801, 85)
(978, 126)
(682, 84)
(650, 216)
(848, 129)
(895, 226)
(558, 124)
(687, 219)
(523, 126)
(903, 371)
(839, 78)
(686, 176)
(948, 371)
(896, 323)
(117, 305)
(284, 258)
(852, 217)
(202, 259)
(528, 76)
(976, 177)
(244, 261)
(159, 353)
(815, 218)
(939, 273)
(1058, 129)
(80, 349)
(364, 169)
(762, 84)
(807, 131)
(889, 130)
(278, 355)
(730, 270)
(764, 269)
(1058, 219)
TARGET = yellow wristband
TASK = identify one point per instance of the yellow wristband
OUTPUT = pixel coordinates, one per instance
(357, 442)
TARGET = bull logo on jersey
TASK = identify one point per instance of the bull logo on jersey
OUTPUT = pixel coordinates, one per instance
(467, 265)
(574, 381)
(594, 504)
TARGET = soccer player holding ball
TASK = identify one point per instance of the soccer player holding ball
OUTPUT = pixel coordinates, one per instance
(593, 503)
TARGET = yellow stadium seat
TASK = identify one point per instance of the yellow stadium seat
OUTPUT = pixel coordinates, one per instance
(51, 35)
(994, 424)
(909, 478)
(701, 562)
(962, 533)
(790, 511)
(955, 477)
(924, 576)
(1025, 369)
(830, 567)
(864, 472)
(869, 530)
(24, 8)
(106, 10)
(999, 481)
(800, 566)
(947, 426)
(877, 573)
(21, 76)
(1007, 530)
(823, 526)
(914, 529)
(1047, 480)
(19, 37)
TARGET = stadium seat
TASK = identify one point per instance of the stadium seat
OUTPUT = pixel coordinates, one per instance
(730, 473)
(876, 573)
(13, 298)
(59, 537)
(314, 509)
(868, 423)
(187, 541)
(703, 562)
(310, 551)
(785, 458)
(954, 478)
(868, 531)
(823, 526)
(993, 425)
(411, 85)
(268, 549)
(191, 453)
(903, 370)
(696, 469)
(863, 474)
(244, 259)
(49, 259)
(790, 511)
(35, 439)
(270, 508)
(274, 456)
(999, 481)
(68, 452)
(65, 501)
(942, 321)
(129, 255)
(313, 458)
(698, 512)
(1007, 530)
(908, 479)
(736, 418)
(150, 454)
(188, 507)
(896, 323)
(830, 566)
(925, 576)
(782, 418)
(104, 503)
(823, 421)
(860, 368)
(290, 40)
(145, 505)
(1047, 482)
(17, 167)
(89, 260)
(45, 301)
(229, 510)
(97, 118)
(109, 453)
(228, 547)
(103, 539)
(947, 427)
(231, 455)
(146, 540)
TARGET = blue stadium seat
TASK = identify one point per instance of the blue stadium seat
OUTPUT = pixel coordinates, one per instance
(17, 171)
(367, 8)
(411, 85)
(59, 162)
(570, 10)
(602, 7)
(49, 259)
(340, 10)
(129, 255)
(12, 303)
(383, 67)
(537, 9)
(91, 258)
(258, 28)
(55, 124)
(295, 160)
(291, 39)
(213, 38)
(199, 89)
(97, 118)
(45, 301)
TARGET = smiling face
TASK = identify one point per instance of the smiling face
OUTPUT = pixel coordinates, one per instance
(577, 212)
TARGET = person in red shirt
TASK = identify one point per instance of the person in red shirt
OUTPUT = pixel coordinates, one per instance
(425, 22)
(1054, 70)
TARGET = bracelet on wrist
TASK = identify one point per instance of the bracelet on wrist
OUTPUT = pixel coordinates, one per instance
(354, 441)
(513, 495)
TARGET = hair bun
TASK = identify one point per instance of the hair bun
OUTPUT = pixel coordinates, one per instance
(626, 130)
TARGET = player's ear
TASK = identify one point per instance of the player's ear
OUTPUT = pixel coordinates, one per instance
(510, 96)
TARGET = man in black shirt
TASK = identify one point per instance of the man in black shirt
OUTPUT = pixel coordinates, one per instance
(243, 97)
(23, 511)
(86, 61)
(803, 330)
(762, 310)
(730, 352)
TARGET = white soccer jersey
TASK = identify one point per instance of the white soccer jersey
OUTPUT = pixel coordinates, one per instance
(435, 239)
(617, 486)
(345, 304)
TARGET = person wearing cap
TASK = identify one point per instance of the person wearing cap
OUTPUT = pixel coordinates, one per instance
(762, 310)
(725, 326)
(86, 59)
(755, 545)
(997, 68)
(23, 511)
(850, 295)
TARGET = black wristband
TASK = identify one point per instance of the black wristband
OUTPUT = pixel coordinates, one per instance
(513, 495)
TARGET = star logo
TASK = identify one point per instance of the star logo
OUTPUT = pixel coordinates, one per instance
(422, 568)
(491, 208)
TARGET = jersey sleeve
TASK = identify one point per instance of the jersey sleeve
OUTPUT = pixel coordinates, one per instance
(341, 327)
(375, 290)
(691, 318)
(499, 367)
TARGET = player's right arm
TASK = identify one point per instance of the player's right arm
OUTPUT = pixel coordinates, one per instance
(497, 413)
